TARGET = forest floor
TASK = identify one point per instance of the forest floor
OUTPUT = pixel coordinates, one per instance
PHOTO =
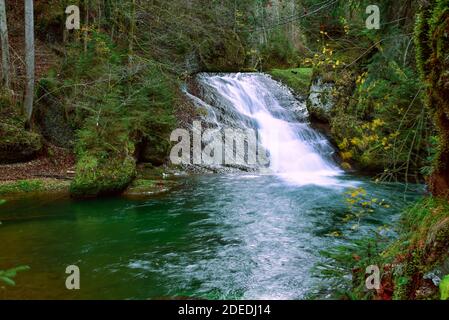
(56, 163)
(50, 172)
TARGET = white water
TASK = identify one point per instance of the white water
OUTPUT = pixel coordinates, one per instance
(298, 154)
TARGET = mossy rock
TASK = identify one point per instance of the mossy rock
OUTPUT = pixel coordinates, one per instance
(16, 143)
(50, 115)
(144, 188)
(95, 177)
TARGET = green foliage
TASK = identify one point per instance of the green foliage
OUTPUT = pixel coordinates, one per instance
(116, 106)
(420, 220)
(444, 288)
(379, 119)
(144, 183)
(386, 121)
(422, 245)
(224, 54)
(7, 276)
(217, 39)
(278, 52)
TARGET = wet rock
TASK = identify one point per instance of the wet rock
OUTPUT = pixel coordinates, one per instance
(320, 102)
(144, 188)
(438, 273)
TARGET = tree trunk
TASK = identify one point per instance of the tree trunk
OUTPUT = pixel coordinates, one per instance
(29, 59)
(132, 32)
(86, 27)
(4, 45)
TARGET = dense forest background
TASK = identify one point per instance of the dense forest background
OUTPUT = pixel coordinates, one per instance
(107, 96)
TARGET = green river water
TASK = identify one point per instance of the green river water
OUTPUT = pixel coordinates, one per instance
(215, 237)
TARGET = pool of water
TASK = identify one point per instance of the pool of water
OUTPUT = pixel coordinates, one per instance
(215, 237)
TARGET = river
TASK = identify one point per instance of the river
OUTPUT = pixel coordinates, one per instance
(239, 235)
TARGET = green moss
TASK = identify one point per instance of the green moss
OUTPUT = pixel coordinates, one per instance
(32, 186)
(7, 276)
(16, 143)
(21, 186)
(422, 246)
(143, 188)
(432, 50)
(141, 183)
(444, 288)
(96, 177)
(298, 79)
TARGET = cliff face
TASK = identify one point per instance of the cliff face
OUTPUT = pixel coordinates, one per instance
(432, 42)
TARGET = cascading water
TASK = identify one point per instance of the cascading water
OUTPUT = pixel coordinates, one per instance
(298, 154)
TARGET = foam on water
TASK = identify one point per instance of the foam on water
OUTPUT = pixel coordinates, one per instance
(298, 154)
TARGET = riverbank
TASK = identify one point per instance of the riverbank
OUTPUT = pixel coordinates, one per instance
(53, 163)
(149, 182)
(51, 172)
(26, 187)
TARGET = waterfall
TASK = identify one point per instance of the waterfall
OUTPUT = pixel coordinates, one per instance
(298, 154)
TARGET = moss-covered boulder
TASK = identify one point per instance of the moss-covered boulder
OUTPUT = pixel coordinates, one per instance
(51, 116)
(16, 143)
(96, 177)
(143, 188)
